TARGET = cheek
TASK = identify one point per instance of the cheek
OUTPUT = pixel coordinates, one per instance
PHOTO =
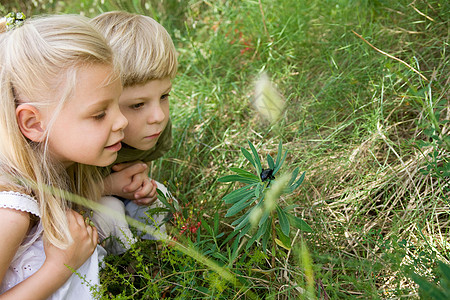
(132, 130)
(166, 110)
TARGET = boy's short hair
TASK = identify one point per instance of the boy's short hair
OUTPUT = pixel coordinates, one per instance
(142, 47)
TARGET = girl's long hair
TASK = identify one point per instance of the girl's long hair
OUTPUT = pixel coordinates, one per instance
(38, 66)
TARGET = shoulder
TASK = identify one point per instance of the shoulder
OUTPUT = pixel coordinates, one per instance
(14, 226)
(19, 202)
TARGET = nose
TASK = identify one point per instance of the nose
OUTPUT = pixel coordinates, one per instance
(120, 122)
(157, 114)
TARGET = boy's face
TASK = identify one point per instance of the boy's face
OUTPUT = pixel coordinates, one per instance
(146, 107)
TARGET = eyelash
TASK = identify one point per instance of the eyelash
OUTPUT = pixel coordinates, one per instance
(100, 116)
(137, 105)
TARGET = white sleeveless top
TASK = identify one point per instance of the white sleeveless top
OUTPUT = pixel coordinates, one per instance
(30, 256)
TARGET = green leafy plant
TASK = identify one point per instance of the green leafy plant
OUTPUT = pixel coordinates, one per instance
(430, 290)
(257, 201)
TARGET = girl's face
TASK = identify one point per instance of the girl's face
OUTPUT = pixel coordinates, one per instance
(89, 127)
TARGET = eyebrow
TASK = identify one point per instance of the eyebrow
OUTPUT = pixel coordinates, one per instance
(135, 99)
(168, 89)
(99, 104)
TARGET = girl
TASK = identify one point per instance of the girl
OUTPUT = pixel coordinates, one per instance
(59, 112)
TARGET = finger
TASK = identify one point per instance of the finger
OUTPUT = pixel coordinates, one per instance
(153, 193)
(74, 216)
(145, 201)
(95, 235)
(137, 176)
(130, 167)
(90, 230)
(120, 167)
(145, 189)
(137, 182)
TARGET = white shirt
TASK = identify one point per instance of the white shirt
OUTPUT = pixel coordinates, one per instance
(30, 256)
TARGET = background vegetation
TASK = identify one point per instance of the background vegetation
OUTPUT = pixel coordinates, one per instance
(366, 85)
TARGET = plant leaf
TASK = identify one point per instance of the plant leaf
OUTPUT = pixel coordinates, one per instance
(431, 290)
(284, 221)
(244, 231)
(207, 227)
(248, 156)
(299, 181)
(240, 205)
(216, 224)
(280, 151)
(228, 238)
(234, 178)
(239, 220)
(291, 207)
(251, 241)
(281, 244)
(244, 173)
(244, 222)
(256, 157)
(445, 278)
(270, 161)
(264, 217)
(262, 229)
(238, 194)
(279, 164)
(294, 176)
(265, 239)
(162, 197)
(299, 223)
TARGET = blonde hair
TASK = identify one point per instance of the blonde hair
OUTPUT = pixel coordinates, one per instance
(38, 65)
(142, 46)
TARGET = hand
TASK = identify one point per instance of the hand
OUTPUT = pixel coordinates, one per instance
(85, 239)
(142, 199)
(131, 182)
(126, 179)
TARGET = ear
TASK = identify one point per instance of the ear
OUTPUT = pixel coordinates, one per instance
(30, 122)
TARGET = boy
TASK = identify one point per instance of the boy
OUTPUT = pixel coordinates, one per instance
(147, 59)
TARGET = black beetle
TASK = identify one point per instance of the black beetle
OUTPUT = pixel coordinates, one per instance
(267, 174)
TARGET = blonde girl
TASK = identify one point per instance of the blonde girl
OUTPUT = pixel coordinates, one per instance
(59, 113)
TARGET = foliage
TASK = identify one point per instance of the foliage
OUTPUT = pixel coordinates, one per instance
(370, 133)
(432, 291)
(261, 207)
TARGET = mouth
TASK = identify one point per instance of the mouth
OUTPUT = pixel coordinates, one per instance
(114, 147)
(153, 136)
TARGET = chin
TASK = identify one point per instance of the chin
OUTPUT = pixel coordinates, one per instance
(107, 163)
(146, 147)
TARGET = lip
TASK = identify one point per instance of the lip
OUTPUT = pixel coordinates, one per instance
(115, 147)
(153, 136)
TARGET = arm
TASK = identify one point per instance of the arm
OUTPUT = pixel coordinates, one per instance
(130, 181)
(14, 225)
(54, 272)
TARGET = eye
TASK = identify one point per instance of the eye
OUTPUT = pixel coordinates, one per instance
(100, 116)
(165, 97)
(137, 105)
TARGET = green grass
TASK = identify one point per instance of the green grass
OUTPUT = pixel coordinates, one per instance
(360, 123)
